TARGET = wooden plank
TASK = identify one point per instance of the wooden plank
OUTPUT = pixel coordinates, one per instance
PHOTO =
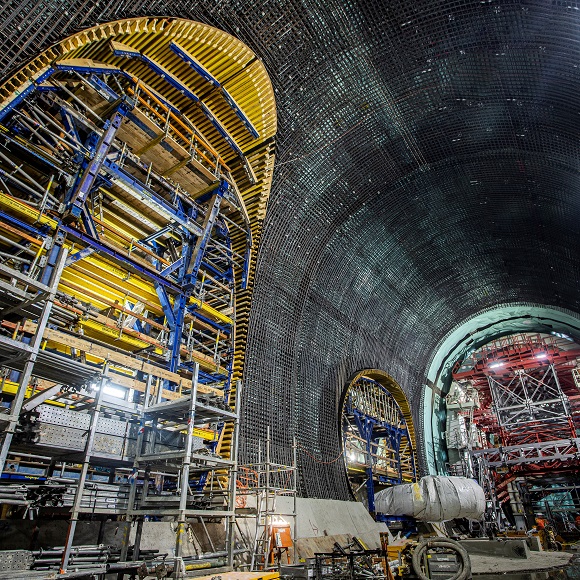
(127, 382)
(128, 361)
(108, 326)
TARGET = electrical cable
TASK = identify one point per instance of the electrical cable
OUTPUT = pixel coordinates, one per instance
(319, 460)
(464, 571)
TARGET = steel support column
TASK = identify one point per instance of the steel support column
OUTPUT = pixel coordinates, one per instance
(27, 372)
(86, 182)
(76, 508)
(184, 474)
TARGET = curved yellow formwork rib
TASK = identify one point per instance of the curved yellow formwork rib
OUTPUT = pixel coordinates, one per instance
(385, 380)
(242, 151)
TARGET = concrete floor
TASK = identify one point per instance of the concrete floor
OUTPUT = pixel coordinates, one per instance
(492, 565)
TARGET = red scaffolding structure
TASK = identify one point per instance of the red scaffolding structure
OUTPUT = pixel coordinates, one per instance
(529, 409)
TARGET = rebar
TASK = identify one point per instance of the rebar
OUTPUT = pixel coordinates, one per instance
(426, 171)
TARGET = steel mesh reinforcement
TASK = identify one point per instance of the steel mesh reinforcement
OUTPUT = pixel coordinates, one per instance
(427, 168)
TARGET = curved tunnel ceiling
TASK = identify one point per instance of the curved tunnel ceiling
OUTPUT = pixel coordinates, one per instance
(427, 169)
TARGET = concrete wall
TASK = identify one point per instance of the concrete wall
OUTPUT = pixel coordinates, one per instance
(319, 524)
(25, 534)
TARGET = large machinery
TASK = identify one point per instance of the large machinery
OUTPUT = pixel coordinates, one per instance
(513, 418)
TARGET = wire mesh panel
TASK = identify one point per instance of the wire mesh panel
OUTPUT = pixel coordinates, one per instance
(426, 169)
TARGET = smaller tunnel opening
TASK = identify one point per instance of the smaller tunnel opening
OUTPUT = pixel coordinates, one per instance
(377, 435)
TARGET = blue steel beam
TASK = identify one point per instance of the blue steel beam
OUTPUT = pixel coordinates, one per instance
(184, 55)
(52, 259)
(89, 223)
(39, 154)
(23, 225)
(80, 255)
(166, 305)
(219, 275)
(127, 52)
(220, 129)
(121, 258)
(86, 182)
(192, 309)
(194, 63)
(82, 67)
(204, 377)
(175, 314)
(241, 115)
(46, 88)
(152, 237)
(69, 124)
(17, 97)
(202, 241)
(175, 335)
(170, 269)
(170, 79)
(102, 88)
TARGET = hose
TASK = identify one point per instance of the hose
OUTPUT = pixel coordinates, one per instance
(464, 571)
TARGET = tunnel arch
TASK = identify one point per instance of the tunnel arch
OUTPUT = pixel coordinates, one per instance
(472, 333)
(384, 104)
(378, 435)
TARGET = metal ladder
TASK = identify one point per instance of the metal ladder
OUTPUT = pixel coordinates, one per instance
(263, 535)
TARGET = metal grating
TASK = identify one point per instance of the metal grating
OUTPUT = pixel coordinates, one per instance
(427, 169)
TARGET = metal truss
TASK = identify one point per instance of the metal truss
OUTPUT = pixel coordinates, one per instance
(528, 418)
(530, 398)
(526, 387)
(576, 375)
(554, 452)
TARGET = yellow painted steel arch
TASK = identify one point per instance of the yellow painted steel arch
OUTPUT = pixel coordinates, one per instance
(237, 69)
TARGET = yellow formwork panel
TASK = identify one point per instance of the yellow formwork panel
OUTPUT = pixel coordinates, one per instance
(102, 273)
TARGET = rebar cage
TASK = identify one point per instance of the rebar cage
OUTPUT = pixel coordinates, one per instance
(427, 170)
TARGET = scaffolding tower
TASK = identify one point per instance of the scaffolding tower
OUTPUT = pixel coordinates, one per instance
(266, 481)
(124, 241)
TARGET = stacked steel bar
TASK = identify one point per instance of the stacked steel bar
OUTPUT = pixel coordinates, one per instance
(82, 557)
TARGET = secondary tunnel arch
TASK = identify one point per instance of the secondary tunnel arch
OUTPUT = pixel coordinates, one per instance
(378, 435)
(471, 334)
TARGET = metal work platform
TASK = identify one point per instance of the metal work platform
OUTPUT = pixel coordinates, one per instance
(513, 415)
(128, 216)
(378, 446)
